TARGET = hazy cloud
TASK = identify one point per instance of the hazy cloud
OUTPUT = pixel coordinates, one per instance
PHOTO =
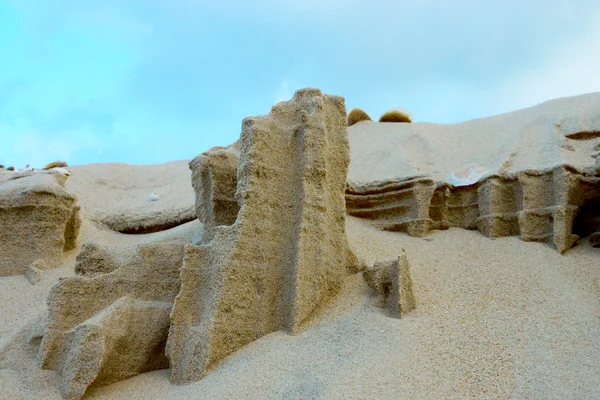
(148, 81)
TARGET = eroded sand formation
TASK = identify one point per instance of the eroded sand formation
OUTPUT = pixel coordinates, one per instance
(106, 327)
(275, 252)
(540, 173)
(214, 179)
(117, 195)
(537, 205)
(286, 254)
(39, 219)
(393, 282)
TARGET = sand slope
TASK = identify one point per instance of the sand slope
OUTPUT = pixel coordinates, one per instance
(533, 138)
(495, 319)
(116, 194)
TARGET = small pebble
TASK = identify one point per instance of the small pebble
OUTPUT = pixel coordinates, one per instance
(33, 274)
(152, 197)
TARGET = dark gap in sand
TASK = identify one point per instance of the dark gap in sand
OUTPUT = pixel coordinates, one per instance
(585, 135)
(140, 230)
(587, 220)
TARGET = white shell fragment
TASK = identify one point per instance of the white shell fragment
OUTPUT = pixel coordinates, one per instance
(466, 176)
(61, 170)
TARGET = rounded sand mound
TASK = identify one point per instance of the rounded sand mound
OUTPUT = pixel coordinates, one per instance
(396, 115)
(357, 115)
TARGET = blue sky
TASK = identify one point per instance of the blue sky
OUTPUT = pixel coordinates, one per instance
(148, 81)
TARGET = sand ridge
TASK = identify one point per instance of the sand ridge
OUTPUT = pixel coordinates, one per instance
(536, 138)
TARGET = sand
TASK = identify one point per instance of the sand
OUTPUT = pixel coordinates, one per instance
(497, 318)
(536, 138)
(117, 195)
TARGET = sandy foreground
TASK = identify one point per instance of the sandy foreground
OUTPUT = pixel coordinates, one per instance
(495, 318)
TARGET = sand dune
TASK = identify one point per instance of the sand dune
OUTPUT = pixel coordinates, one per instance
(537, 138)
(494, 318)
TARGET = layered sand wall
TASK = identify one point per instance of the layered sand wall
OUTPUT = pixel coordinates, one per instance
(536, 205)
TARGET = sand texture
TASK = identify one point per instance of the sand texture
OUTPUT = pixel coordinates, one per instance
(39, 219)
(539, 171)
(298, 279)
(117, 195)
(114, 325)
(214, 179)
(284, 257)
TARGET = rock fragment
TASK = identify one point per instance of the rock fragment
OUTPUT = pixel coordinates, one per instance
(393, 282)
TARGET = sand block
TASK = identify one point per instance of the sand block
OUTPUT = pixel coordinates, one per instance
(214, 178)
(112, 326)
(393, 282)
(95, 258)
(286, 254)
(39, 219)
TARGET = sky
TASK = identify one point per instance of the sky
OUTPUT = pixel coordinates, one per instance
(149, 81)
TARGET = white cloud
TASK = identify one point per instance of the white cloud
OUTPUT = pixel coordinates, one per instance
(573, 69)
(570, 69)
(283, 93)
(37, 148)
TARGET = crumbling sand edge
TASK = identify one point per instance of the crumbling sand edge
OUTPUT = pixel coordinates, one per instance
(538, 205)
